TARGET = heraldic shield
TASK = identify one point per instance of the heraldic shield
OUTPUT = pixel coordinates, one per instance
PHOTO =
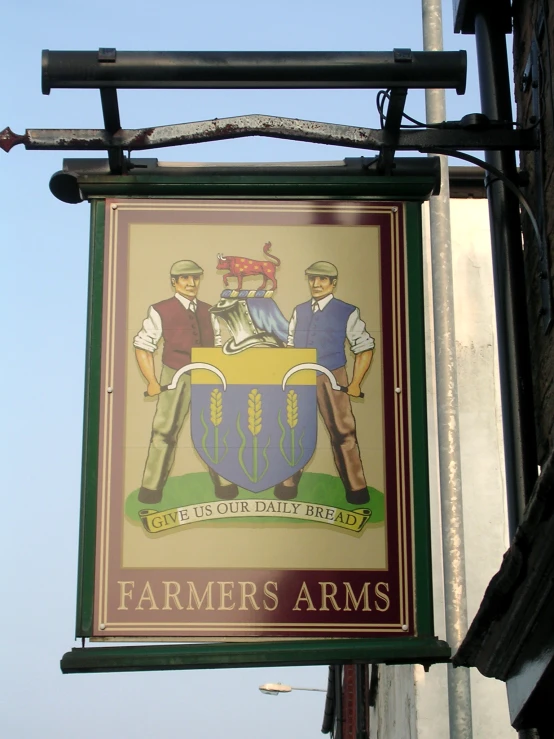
(254, 414)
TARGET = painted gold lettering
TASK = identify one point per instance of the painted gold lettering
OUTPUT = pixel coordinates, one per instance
(172, 590)
(383, 596)
(350, 597)
(247, 592)
(207, 594)
(147, 596)
(124, 593)
(304, 596)
(225, 593)
(328, 596)
(271, 595)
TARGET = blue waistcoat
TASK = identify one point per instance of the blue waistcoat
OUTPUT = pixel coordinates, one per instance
(325, 330)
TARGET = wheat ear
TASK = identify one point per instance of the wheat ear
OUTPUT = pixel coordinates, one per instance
(254, 412)
(292, 408)
(216, 407)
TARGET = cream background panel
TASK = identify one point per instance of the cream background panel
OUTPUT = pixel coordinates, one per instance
(153, 248)
(279, 546)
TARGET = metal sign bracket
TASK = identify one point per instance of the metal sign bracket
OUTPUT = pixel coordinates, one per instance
(392, 72)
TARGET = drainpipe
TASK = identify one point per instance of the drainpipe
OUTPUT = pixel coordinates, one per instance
(508, 274)
(459, 690)
(509, 284)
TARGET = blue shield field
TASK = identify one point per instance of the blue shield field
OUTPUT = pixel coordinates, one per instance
(253, 431)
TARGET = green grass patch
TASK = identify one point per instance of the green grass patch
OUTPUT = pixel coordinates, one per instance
(197, 487)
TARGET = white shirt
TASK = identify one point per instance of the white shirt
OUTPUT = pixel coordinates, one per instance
(151, 332)
(356, 332)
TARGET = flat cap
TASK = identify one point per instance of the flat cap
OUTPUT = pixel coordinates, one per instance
(322, 269)
(186, 267)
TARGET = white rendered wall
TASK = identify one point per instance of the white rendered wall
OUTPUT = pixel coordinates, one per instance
(394, 716)
(407, 690)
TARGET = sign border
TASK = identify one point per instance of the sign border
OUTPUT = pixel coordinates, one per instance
(375, 649)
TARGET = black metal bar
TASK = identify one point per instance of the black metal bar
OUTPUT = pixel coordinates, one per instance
(329, 710)
(534, 86)
(465, 10)
(361, 702)
(112, 124)
(110, 109)
(255, 69)
(338, 733)
(393, 121)
(508, 275)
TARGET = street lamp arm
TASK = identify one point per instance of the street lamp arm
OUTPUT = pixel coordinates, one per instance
(276, 688)
(317, 690)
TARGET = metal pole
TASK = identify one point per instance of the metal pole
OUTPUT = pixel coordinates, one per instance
(508, 274)
(459, 690)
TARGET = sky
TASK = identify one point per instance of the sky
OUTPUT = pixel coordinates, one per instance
(45, 267)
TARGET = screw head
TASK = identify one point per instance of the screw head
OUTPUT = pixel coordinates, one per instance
(397, 390)
(110, 389)
(102, 627)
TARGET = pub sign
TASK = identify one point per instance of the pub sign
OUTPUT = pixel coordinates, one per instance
(255, 460)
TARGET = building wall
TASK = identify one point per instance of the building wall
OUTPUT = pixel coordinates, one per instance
(483, 488)
(394, 715)
(527, 14)
(409, 697)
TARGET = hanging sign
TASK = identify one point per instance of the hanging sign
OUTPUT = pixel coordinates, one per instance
(255, 453)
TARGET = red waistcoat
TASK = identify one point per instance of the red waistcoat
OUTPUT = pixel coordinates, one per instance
(182, 330)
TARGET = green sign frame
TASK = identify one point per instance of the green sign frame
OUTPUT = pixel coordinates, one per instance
(421, 646)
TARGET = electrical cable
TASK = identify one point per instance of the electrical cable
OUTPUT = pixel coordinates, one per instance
(383, 95)
(499, 175)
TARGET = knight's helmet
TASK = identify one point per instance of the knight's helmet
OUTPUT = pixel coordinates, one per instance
(253, 319)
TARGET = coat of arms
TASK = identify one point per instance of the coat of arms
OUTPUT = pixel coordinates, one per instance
(253, 396)
(254, 430)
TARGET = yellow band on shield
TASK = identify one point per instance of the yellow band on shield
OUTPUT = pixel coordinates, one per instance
(262, 366)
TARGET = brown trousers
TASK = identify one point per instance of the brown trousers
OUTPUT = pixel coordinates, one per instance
(336, 411)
